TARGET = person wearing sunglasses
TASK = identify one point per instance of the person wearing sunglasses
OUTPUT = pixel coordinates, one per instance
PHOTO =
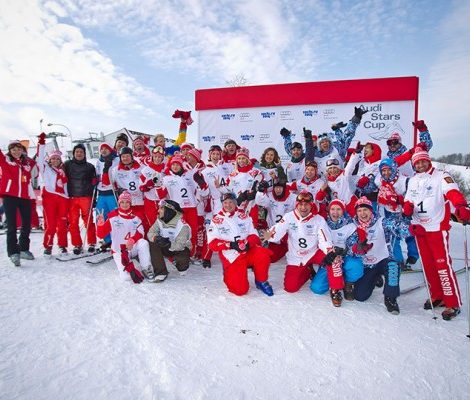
(309, 243)
(295, 167)
(336, 143)
(232, 235)
(397, 148)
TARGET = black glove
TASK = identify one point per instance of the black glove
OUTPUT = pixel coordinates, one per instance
(199, 179)
(236, 246)
(358, 113)
(263, 186)
(161, 241)
(285, 132)
(329, 258)
(107, 165)
(155, 179)
(359, 147)
(242, 197)
(337, 126)
(307, 133)
(251, 194)
(340, 251)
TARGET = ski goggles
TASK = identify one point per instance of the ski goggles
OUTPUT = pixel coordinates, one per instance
(158, 150)
(392, 142)
(304, 197)
(332, 162)
(322, 136)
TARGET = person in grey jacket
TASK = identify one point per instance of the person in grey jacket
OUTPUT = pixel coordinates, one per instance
(169, 236)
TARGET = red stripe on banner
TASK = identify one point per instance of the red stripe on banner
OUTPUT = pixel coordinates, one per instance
(328, 92)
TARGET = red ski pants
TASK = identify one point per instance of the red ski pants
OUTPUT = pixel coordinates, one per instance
(55, 210)
(81, 206)
(236, 273)
(151, 211)
(434, 252)
(190, 217)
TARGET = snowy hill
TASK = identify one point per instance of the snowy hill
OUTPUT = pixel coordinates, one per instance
(72, 331)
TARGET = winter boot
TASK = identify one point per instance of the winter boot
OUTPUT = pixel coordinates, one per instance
(411, 261)
(435, 304)
(16, 260)
(336, 297)
(48, 251)
(77, 250)
(206, 263)
(405, 267)
(349, 291)
(379, 282)
(63, 250)
(91, 248)
(265, 287)
(160, 278)
(26, 255)
(450, 313)
(392, 305)
(148, 273)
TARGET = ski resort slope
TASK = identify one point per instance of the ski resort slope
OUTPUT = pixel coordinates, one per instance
(76, 332)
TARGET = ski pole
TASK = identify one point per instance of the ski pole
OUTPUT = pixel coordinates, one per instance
(466, 276)
(90, 211)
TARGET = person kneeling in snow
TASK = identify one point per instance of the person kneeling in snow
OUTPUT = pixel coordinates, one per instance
(231, 233)
(309, 242)
(127, 240)
(169, 236)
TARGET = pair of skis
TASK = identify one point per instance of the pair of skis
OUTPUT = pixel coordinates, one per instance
(105, 256)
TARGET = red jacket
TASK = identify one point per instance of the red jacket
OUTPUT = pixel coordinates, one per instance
(16, 177)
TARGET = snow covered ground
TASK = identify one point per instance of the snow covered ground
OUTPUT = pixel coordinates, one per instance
(72, 331)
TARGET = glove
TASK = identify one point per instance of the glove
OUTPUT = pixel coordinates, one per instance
(329, 258)
(285, 132)
(463, 213)
(420, 125)
(307, 133)
(241, 245)
(199, 179)
(417, 230)
(241, 197)
(42, 138)
(338, 126)
(362, 248)
(135, 274)
(358, 113)
(263, 186)
(130, 244)
(155, 179)
(363, 182)
(251, 194)
(340, 251)
(359, 147)
(408, 209)
(107, 165)
(162, 242)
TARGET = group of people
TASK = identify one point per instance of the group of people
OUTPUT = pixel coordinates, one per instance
(337, 213)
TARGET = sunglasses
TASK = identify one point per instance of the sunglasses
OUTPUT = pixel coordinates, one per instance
(392, 142)
(304, 198)
(332, 162)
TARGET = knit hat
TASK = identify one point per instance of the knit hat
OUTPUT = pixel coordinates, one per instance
(296, 145)
(126, 150)
(196, 153)
(363, 202)
(123, 137)
(339, 203)
(243, 151)
(395, 136)
(55, 153)
(14, 143)
(125, 196)
(230, 141)
(176, 159)
(186, 145)
(106, 146)
(420, 155)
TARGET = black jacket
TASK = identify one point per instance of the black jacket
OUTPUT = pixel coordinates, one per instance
(81, 178)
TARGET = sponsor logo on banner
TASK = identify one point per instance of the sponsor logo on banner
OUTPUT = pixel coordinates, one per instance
(227, 117)
(268, 114)
(286, 115)
(329, 113)
(310, 113)
(208, 138)
(245, 117)
(265, 138)
(247, 137)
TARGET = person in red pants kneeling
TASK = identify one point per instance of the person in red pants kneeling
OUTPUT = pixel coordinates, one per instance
(231, 233)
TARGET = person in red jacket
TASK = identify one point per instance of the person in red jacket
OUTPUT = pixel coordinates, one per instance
(15, 190)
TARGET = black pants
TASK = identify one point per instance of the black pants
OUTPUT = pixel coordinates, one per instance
(157, 255)
(364, 287)
(11, 205)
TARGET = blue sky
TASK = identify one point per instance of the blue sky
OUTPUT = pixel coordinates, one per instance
(99, 66)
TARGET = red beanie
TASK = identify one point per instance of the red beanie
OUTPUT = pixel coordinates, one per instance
(243, 151)
(195, 153)
(106, 146)
(420, 155)
(125, 196)
(363, 202)
(338, 202)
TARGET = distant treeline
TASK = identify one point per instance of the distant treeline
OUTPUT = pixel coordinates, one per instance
(455, 158)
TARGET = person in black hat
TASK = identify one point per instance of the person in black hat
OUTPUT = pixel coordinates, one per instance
(121, 141)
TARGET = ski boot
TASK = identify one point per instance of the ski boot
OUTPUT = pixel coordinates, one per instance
(265, 287)
(91, 248)
(206, 264)
(379, 282)
(26, 255)
(349, 291)
(16, 260)
(392, 305)
(336, 297)
(48, 251)
(63, 250)
(160, 278)
(450, 313)
(435, 304)
(77, 250)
